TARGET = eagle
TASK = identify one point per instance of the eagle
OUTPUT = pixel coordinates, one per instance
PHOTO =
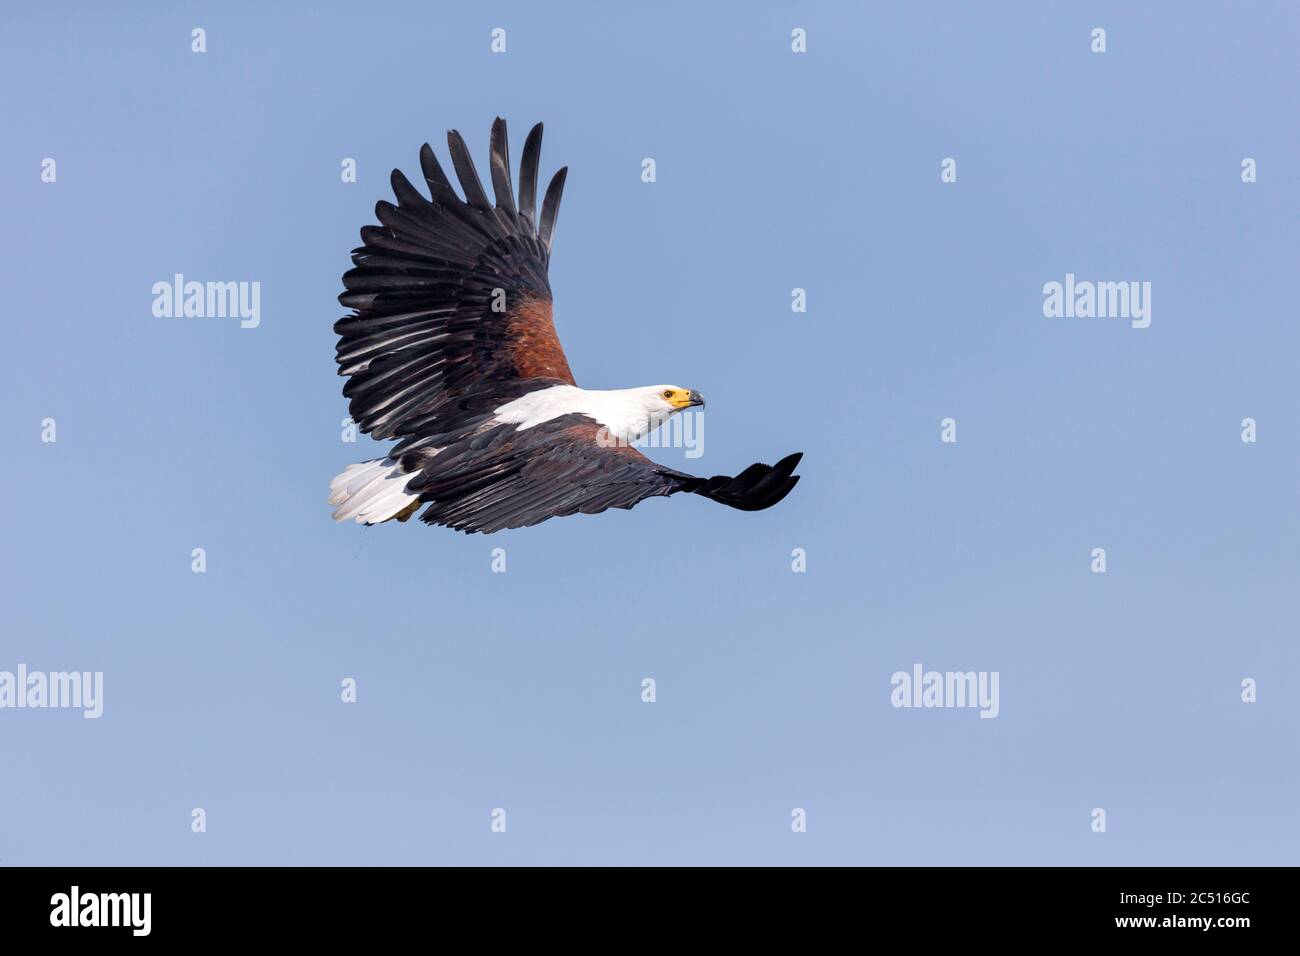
(450, 350)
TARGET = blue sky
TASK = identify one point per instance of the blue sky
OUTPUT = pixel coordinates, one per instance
(523, 690)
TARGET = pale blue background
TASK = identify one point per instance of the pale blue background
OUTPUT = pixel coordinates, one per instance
(522, 690)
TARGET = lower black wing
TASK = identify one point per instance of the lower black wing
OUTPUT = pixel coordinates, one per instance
(505, 477)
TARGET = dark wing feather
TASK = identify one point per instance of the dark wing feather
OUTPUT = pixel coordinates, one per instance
(755, 488)
(500, 158)
(427, 334)
(496, 477)
(551, 207)
(466, 173)
(528, 173)
(433, 174)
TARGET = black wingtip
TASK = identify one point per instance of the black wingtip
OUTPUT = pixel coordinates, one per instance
(500, 162)
(407, 194)
(756, 488)
(433, 174)
(465, 171)
(528, 172)
(551, 207)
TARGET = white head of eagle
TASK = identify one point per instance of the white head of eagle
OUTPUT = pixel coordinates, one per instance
(625, 414)
(492, 430)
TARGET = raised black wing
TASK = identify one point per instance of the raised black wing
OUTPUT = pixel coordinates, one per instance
(451, 296)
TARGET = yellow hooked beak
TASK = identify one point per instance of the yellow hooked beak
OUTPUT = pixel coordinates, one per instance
(680, 398)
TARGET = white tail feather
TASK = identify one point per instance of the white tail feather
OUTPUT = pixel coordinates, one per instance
(370, 492)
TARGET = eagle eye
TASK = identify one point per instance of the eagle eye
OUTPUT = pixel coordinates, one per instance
(668, 393)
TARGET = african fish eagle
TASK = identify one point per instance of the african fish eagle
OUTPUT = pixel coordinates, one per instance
(451, 351)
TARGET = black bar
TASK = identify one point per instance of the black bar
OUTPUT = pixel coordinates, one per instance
(208, 905)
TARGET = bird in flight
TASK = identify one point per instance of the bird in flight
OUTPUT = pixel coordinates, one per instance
(451, 351)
